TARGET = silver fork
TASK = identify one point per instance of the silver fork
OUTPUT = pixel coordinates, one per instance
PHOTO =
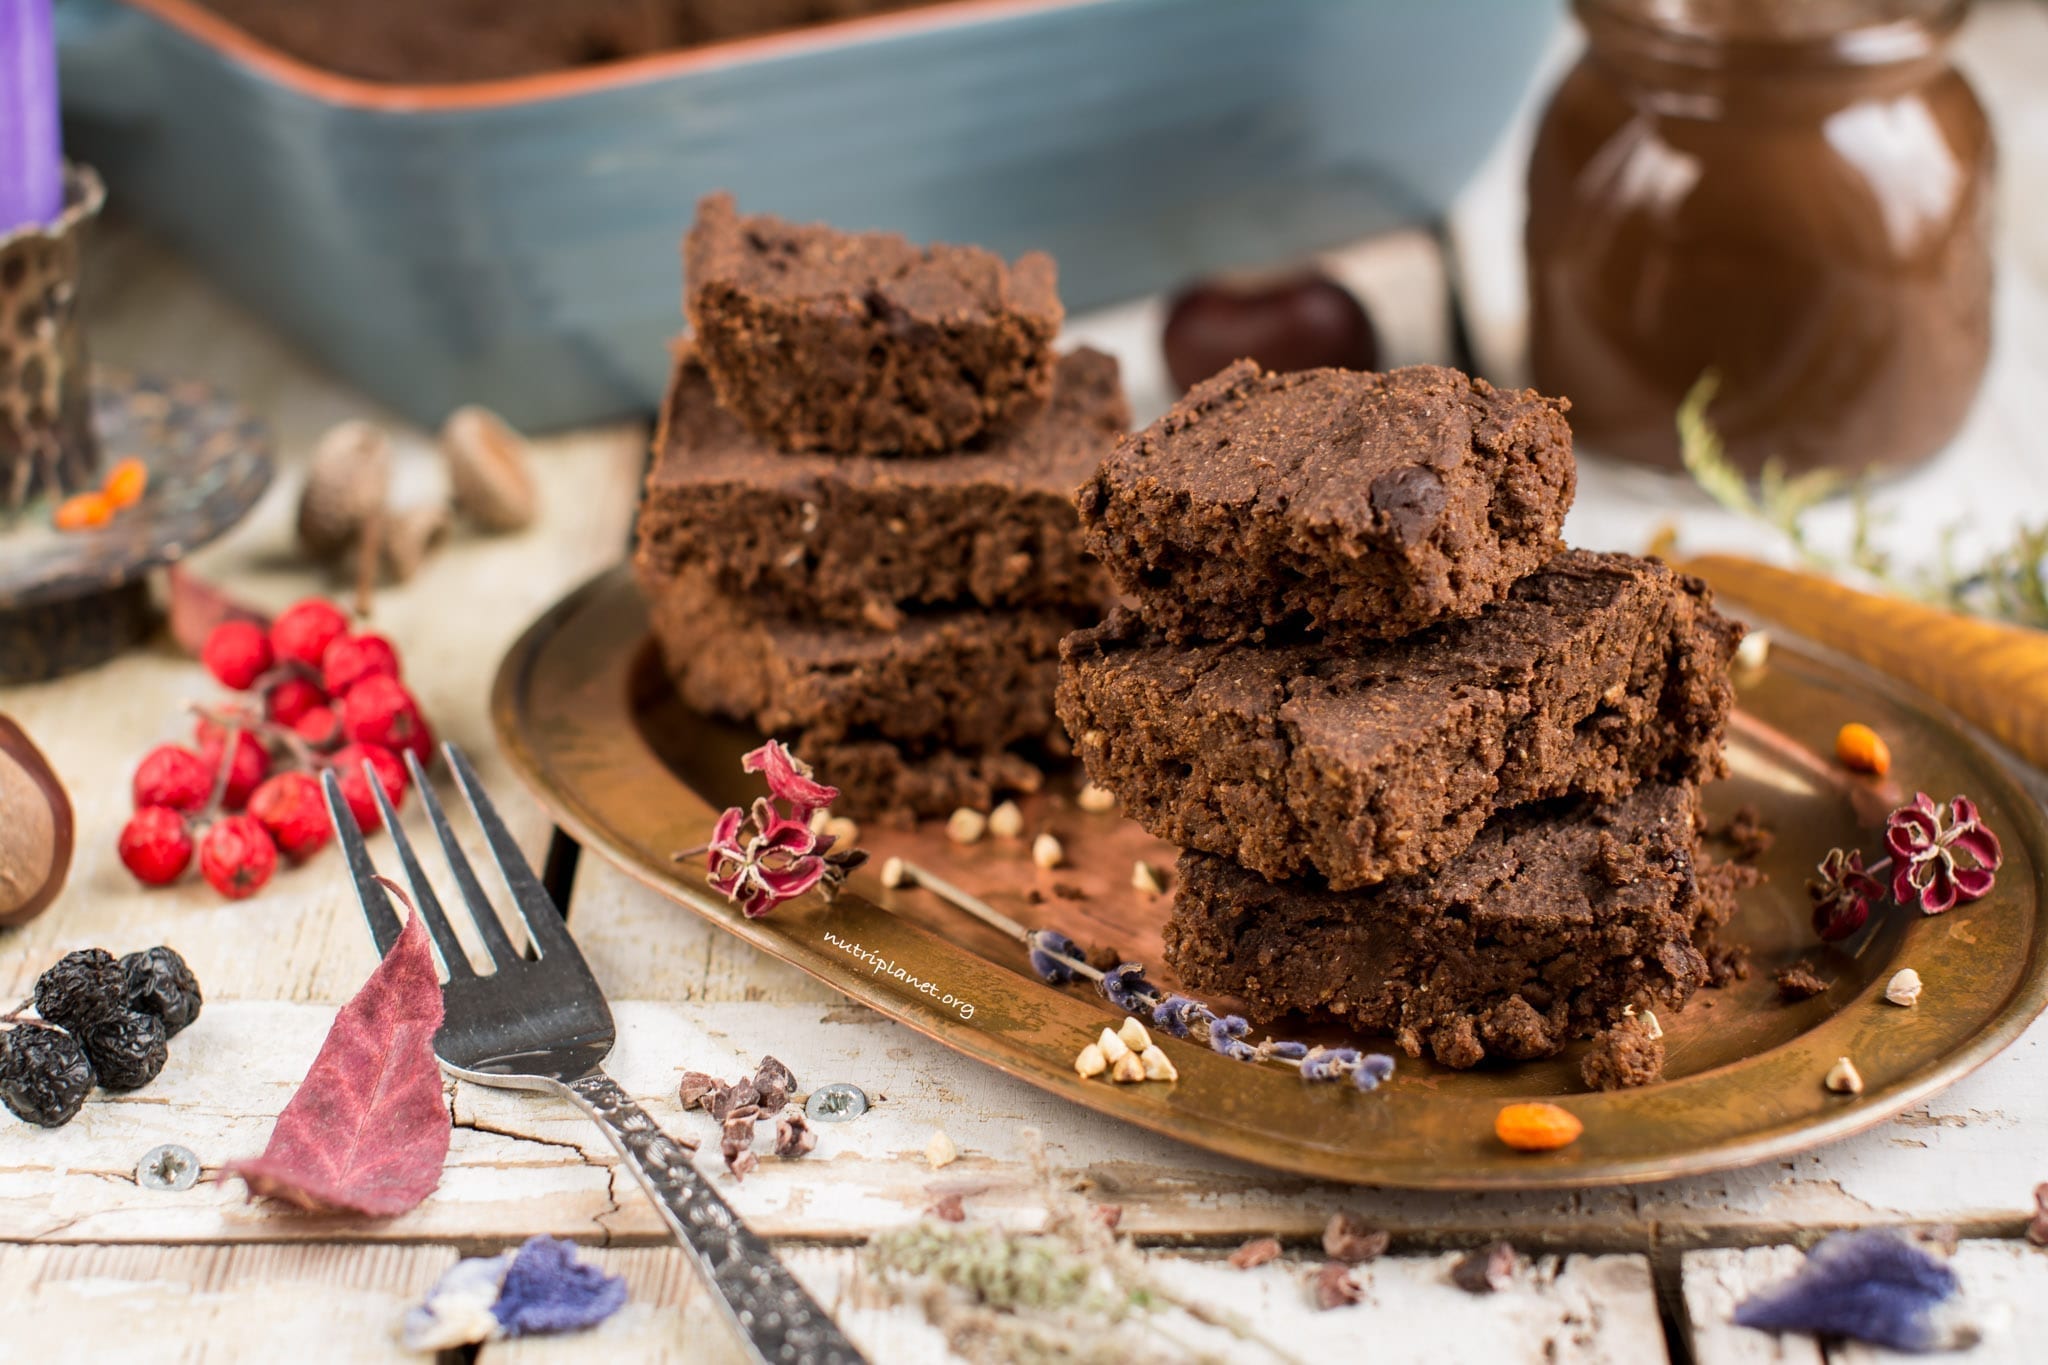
(541, 1023)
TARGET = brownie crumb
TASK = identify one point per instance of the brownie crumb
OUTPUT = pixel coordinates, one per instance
(1799, 981)
(1068, 891)
(1627, 1055)
(1104, 957)
(1746, 835)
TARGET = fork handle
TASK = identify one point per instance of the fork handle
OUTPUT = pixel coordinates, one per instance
(776, 1316)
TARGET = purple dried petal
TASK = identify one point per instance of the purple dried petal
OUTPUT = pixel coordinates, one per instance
(547, 1289)
(1047, 947)
(1179, 1015)
(1125, 986)
(1372, 1069)
(1290, 1050)
(1328, 1063)
(1873, 1285)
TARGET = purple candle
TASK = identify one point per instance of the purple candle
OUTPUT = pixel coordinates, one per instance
(31, 150)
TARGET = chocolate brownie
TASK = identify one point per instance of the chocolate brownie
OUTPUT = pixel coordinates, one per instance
(951, 680)
(852, 538)
(864, 343)
(1364, 759)
(1557, 919)
(1381, 503)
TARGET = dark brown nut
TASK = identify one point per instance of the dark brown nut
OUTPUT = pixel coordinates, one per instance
(488, 470)
(346, 484)
(36, 828)
(1304, 321)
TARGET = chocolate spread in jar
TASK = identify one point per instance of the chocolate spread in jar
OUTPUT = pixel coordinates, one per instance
(1795, 195)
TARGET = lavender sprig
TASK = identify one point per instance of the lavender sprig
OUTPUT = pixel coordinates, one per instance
(1056, 961)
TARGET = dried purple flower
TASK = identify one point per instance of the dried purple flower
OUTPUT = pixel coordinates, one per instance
(1873, 1285)
(1842, 895)
(1328, 1063)
(1925, 851)
(1372, 1069)
(1226, 1035)
(1047, 948)
(1125, 986)
(1179, 1015)
(1279, 1047)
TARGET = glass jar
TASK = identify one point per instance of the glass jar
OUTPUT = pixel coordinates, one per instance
(1793, 194)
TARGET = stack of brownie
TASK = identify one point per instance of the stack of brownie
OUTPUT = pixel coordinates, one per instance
(1434, 774)
(858, 532)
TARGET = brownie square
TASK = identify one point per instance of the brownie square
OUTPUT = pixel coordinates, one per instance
(852, 539)
(863, 343)
(1556, 920)
(1380, 503)
(1359, 759)
(920, 720)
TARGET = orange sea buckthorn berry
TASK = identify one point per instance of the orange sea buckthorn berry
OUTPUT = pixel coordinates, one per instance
(1863, 750)
(84, 511)
(1537, 1127)
(125, 483)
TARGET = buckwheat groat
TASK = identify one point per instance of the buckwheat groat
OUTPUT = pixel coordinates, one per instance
(1360, 760)
(1380, 503)
(1556, 920)
(863, 342)
(855, 539)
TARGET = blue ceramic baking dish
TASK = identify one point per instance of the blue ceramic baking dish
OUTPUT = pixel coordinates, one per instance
(515, 243)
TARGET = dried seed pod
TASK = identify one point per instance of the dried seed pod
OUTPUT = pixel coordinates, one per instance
(409, 534)
(1090, 1062)
(1158, 1066)
(1113, 1048)
(1904, 988)
(940, 1151)
(346, 484)
(966, 825)
(1095, 800)
(36, 828)
(489, 470)
(1047, 852)
(1133, 1035)
(1006, 821)
(1128, 1069)
(1843, 1078)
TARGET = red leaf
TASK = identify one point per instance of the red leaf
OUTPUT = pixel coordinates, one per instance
(197, 606)
(368, 1130)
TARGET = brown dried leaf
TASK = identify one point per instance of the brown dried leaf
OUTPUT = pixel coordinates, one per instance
(1352, 1240)
(1256, 1252)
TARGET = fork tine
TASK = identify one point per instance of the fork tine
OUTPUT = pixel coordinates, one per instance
(544, 921)
(488, 925)
(376, 903)
(453, 957)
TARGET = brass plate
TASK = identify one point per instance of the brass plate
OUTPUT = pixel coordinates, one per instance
(584, 717)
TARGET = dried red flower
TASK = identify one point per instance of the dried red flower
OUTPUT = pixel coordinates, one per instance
(1940, 863)
(761, 857)
(1842, 895)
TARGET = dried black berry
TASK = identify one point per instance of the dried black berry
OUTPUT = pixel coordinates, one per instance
(44, 1074)
(159, 983)
(127, 1049)
(84, 986)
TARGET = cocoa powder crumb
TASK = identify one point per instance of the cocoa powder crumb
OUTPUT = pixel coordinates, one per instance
(1335, 1288)
(1799, 981)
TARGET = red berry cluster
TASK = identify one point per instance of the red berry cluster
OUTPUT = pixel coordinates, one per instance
(248, 788)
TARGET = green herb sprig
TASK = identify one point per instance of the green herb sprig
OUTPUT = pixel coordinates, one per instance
(2009, 584)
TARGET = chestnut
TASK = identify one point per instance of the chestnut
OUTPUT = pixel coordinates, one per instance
(1300, 321)
(35, 829)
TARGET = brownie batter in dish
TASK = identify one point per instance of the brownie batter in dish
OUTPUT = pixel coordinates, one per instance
(866, 343)
(1555, 921)
(1379, 503)
(854, 539)
(1360, 760)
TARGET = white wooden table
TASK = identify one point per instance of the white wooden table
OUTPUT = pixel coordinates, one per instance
(90, 1259)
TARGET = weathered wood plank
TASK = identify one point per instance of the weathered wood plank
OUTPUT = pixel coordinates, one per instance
(521, 1164)
(312, 1304)
(1581, 1309)
(2004, 1291)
